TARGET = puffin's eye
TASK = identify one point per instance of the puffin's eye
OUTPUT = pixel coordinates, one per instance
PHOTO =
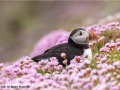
(80, 34)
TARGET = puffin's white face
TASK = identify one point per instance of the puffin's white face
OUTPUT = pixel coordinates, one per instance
(81, 37)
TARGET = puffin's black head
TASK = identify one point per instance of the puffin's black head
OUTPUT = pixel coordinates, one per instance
(81, 36)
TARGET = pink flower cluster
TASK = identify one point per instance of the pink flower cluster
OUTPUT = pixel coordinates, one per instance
(48, 75)
(102, 73)
(99, 28)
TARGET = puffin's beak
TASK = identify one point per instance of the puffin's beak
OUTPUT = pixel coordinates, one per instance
(92, 35)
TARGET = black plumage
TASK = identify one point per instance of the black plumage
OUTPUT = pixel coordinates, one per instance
(71, 49)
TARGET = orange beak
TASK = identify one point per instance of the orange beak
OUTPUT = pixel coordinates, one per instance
(94, 36)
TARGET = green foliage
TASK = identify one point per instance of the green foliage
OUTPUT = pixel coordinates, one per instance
(110, 35)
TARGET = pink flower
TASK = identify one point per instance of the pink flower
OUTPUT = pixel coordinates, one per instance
(16, 69)
(64, 71)
(114, 88)
(43, 62)
(64, 62)
(96, 55)
(60, 66)
(26, 62)
(65, 83)
(37, 75)
(107, 44)
(101, 56)
(116, 63)
(118, 40)
(112, 45)
(55, 63)
(63, 55)
(25, 71)
(45, 68)
(35, 67)
(32, 80)
(88, 86)
(87, 62)
(16, 64)
(74, 86)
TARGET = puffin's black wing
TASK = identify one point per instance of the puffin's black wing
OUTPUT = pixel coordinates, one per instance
(69, 50)
(40, 57)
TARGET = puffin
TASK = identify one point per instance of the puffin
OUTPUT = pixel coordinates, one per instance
(77, 45)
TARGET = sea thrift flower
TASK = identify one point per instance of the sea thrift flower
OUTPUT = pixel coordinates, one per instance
(112, 45)
(64, 62)
(78, 58)
(88, 86)
(101, 56)
(63, 55)
(74, 86)
(118, 40)
(116, 63)
(94, 72)
(87, 62)
(103, 60)
(96, 55)
(107, 44)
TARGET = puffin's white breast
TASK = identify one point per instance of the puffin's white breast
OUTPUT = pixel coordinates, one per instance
(89, 53)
